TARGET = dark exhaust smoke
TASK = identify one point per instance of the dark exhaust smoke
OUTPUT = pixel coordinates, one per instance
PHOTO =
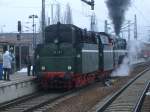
(117, 9)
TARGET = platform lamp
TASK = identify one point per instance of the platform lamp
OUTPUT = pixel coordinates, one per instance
(33, 25)
(19, 39)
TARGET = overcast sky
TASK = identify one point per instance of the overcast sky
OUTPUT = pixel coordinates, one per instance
(13, 10)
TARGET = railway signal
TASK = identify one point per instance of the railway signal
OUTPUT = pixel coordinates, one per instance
(19, 26)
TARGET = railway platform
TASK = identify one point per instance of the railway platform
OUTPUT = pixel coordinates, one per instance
(19, 85)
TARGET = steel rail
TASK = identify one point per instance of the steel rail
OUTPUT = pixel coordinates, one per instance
(71, 93)
(113, 97)
(19, 100)
(30, 108)
(138, 105)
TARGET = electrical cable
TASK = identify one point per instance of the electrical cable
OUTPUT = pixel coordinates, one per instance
(141, 13)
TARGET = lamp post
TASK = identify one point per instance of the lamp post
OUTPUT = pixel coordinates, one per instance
(33, 25)
(43, 20)
(2, 28)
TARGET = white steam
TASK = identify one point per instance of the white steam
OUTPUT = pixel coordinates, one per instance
(135, 48)
(123, 69)
(134, 56)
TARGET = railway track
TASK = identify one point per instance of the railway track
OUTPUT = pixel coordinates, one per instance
(29, 103)
(145, 101)
(48, 107)
(34, 101)
(129, 96)
(39, 102)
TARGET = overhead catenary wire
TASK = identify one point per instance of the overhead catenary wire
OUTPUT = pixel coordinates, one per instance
(75, 10)
(141, 13)
(144, 18)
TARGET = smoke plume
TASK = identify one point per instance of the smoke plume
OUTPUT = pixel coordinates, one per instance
(117, 9)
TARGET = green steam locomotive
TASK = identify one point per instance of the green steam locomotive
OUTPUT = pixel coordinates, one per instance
(72, 57)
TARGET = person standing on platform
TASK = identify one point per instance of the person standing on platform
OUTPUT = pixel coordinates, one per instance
(7, 60)
(13, 60)
(28, 63)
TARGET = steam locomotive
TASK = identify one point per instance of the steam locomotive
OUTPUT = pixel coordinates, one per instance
(72, 57)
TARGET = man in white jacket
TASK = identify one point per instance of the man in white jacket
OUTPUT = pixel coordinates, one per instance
(7, 59)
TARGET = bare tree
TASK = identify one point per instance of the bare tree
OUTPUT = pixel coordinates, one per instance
(52, 14)
(57, 16)
(68, 15)
(93, 22)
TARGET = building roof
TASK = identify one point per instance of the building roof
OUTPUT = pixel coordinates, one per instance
(26, 38)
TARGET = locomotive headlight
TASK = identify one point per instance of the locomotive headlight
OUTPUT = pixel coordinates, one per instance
(69, 67)
(43, 68)
(78, 55)
(56, 41)
(37, 57)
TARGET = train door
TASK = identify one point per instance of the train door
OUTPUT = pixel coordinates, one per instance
(108, 61)
(100, 47)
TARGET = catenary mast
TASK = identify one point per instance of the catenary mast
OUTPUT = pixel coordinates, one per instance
(43, 20)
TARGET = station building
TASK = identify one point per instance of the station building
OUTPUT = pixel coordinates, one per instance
(21, 46)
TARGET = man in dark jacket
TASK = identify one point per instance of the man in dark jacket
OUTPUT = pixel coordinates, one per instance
(28, 63)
